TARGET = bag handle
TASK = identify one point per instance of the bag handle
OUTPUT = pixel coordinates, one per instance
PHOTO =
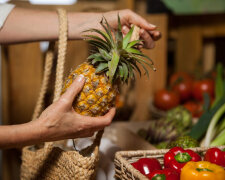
(62, 47)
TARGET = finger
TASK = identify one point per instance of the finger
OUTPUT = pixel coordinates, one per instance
(156, 35)
(148, 41)
(73, 90)
(102, 121)
(141, 22)
(125, 30)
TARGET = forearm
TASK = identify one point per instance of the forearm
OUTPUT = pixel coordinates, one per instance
(20, 135)
(26, 25)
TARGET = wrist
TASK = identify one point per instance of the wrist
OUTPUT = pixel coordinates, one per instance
(79, 22)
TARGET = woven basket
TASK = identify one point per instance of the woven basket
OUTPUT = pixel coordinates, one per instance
(51, 161)
(123, 159)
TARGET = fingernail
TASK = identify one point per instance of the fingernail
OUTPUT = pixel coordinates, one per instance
(152, 25)
(80, 78)
(124, 27)
(142, 31)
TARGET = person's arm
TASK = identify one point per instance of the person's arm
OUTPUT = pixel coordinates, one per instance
(25, 25)
(59, 121)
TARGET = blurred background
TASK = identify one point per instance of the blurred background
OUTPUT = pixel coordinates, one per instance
(193, 42)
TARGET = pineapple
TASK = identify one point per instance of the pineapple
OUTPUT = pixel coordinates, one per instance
(113, 62)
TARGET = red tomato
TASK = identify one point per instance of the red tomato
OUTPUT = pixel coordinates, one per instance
(179, 75)
(166, 100)
(184, 89)
(203, 86)
(195, 108)
(147, 165)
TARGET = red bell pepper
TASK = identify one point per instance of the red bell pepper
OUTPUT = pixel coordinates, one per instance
(216, 156)
(166, 174)
(147, 165)
(177, 157)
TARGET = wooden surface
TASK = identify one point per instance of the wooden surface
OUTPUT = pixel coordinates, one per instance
(190, 33)
(209, 56)
(189, 48)
(25, 75)
(126, 4)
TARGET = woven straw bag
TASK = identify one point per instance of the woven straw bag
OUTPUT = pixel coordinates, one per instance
(51, 162)
(123, 159)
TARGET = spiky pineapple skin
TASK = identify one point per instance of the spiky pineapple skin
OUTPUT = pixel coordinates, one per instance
(98, 94)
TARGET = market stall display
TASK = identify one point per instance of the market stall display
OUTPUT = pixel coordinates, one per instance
(125, 170)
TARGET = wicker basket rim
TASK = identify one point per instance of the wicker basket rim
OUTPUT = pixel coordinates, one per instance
(157, 151)
(120, 158)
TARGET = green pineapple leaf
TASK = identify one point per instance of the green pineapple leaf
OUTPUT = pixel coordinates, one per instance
(133, 51)
(97, 44)
(105, 54)
(126, 39)
(98, 39)
(92, 56)
(108, 30)
(102, 33)
(115, 55)
(113, 65)
(119, 35)
(135, 66)
(131, 72)
(101, 67)
(97, 59)
(146, 70)
(125, 71)
(121, 71)
(134, 43)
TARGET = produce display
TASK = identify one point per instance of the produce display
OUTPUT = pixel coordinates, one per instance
(185, 90)
(205, 100)
(177, 122)
(184, 164)
(210, 128)
(112, 62)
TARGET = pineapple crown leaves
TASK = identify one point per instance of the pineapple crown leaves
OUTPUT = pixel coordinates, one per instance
(115, 55)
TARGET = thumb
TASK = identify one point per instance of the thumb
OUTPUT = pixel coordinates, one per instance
(73, 90)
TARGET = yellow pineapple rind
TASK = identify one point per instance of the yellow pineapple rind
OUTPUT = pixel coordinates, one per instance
(98, 94)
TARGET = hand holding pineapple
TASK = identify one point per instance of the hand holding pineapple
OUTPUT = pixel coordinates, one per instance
(113, 63)
(59, 121)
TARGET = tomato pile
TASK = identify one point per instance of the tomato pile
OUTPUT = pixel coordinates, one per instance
(180, 164)
(184, 89)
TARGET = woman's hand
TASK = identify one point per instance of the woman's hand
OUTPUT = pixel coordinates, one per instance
(26, 25)
(79, 22)
(60, 121)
